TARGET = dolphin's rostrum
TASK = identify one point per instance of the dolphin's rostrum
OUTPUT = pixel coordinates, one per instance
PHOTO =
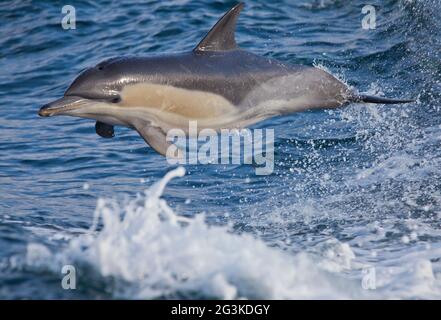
(217, 84)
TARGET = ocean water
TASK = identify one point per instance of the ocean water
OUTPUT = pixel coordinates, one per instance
(352, 209)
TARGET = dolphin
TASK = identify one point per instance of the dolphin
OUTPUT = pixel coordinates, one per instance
(217, 84)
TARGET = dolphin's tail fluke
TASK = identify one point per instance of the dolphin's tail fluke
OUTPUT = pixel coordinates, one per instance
(372, 99)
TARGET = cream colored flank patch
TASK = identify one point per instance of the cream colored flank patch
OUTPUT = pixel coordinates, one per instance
(192, 104)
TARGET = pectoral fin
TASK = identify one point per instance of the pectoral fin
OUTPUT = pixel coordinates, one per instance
(104, 130)
(157, 139)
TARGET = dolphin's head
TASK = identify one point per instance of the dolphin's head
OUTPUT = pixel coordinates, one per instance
(99, 85)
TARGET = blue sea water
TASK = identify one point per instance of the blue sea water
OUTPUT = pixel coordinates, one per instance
(352, 209)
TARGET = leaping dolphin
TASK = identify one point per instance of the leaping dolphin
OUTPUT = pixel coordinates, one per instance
(217, 84)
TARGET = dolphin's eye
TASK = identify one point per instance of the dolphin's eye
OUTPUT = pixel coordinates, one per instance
(116, 100)
(100, 68)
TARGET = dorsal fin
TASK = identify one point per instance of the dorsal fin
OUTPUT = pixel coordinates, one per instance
(221, 36)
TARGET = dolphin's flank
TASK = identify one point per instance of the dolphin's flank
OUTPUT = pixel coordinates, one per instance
(217, 84)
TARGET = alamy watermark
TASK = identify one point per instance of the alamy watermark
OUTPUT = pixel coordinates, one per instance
(69, 20)
(369, 21)
(69, 280)
(244, 146)
(369, 280)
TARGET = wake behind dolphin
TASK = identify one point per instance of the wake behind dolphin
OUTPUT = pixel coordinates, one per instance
(217, 84)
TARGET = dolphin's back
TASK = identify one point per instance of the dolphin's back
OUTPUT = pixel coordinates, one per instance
(232, 74)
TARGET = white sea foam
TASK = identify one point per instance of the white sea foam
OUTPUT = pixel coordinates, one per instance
(146, 250)
(156, 253)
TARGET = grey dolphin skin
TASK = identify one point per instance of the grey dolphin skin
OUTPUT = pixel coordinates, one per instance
(217, 84)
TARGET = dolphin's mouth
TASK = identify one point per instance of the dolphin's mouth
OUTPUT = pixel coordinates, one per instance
(62, 106)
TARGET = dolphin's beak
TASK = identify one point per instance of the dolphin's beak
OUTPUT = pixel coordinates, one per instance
(60, 106)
